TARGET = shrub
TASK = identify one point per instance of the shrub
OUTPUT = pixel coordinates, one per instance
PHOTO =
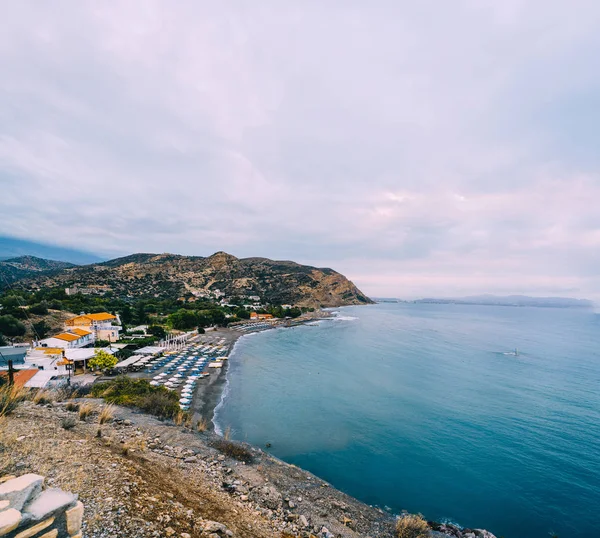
(158, 401)
(42, 397)
(41, 309)
(85, 410)
(68, 423)
(102, 360)
(107, 414)
(10, 397)
(202, 425)
(235, 450)
(412, 526)
(72, 406)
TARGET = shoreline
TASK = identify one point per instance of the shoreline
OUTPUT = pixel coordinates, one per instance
(209, 396)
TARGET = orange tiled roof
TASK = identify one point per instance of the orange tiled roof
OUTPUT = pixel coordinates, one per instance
(67, 337)
(81, 332)
(102, 316)
(21, 376)
(50, 350)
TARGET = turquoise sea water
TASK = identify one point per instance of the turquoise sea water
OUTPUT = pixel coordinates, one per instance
(418, 407)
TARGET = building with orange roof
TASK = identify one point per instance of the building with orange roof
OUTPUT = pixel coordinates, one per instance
(102, 325)
(69, 340)
(20, 376)
(257, 316)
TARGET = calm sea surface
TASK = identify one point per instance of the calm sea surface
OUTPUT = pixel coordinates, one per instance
(418, 407)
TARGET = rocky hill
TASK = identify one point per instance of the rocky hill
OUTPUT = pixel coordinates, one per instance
(24, 267)
(171, 275)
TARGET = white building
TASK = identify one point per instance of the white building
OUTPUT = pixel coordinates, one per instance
(105, 326)
(73, 339)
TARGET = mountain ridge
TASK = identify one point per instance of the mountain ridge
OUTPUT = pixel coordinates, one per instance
(15, 269)
(221, 274)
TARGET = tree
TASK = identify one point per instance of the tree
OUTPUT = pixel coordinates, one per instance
(40, 309)
(41, 329)
(102, 360)
(140, 313)
(126, 314)
(157, 330)
(242, 313)
(11, 327)
(184, 319)
(3, 341)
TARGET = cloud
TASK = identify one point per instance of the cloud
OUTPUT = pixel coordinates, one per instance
(419, 148)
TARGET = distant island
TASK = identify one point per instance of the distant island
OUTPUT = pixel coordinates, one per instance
(495, 300)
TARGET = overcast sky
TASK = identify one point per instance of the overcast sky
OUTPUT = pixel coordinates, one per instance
(421, 148)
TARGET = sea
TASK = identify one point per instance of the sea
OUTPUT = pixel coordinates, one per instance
(428, 408)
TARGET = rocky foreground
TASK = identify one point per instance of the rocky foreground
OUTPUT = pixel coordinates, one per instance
(137, 476)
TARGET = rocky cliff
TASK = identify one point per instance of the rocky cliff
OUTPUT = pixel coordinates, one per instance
(171, 275)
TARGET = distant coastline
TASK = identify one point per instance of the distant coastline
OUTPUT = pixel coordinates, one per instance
(493, 300)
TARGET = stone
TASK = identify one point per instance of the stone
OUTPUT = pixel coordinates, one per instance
(185, 535)
(303, 521)
(51, 534)
(482, 533)
(169, 531)
(31, 531)
(213, 526)
(74, 518)
(19, 491)
(9, 520)
(4, 504)
(326, 534)
(49, 502)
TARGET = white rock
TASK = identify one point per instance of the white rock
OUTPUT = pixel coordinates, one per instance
(19, 491)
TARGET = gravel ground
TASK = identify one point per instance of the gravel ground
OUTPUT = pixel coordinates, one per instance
(141, 477)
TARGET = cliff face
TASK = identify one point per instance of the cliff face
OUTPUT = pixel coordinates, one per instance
(169, 275)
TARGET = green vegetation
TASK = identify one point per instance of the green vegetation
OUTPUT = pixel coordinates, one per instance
(182, 313)
(11, 327)
(158, 401)
(102, 360)
(157, 330)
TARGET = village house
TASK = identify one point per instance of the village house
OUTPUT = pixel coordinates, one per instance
(103, 325)
(73, 339)
(256, 316)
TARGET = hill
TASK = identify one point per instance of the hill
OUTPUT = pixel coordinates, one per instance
(172, 275)
(23, 267)
(12, 247)
(514, 300)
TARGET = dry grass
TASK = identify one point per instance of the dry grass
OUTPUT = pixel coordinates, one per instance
(412, 526)
(72, 406)
(202, 425)
(180, 418)
(85, 410)
(107, 414)
(42, 397)
(234, 450)
(10, 397)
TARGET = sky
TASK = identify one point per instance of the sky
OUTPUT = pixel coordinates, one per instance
(420, 148)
